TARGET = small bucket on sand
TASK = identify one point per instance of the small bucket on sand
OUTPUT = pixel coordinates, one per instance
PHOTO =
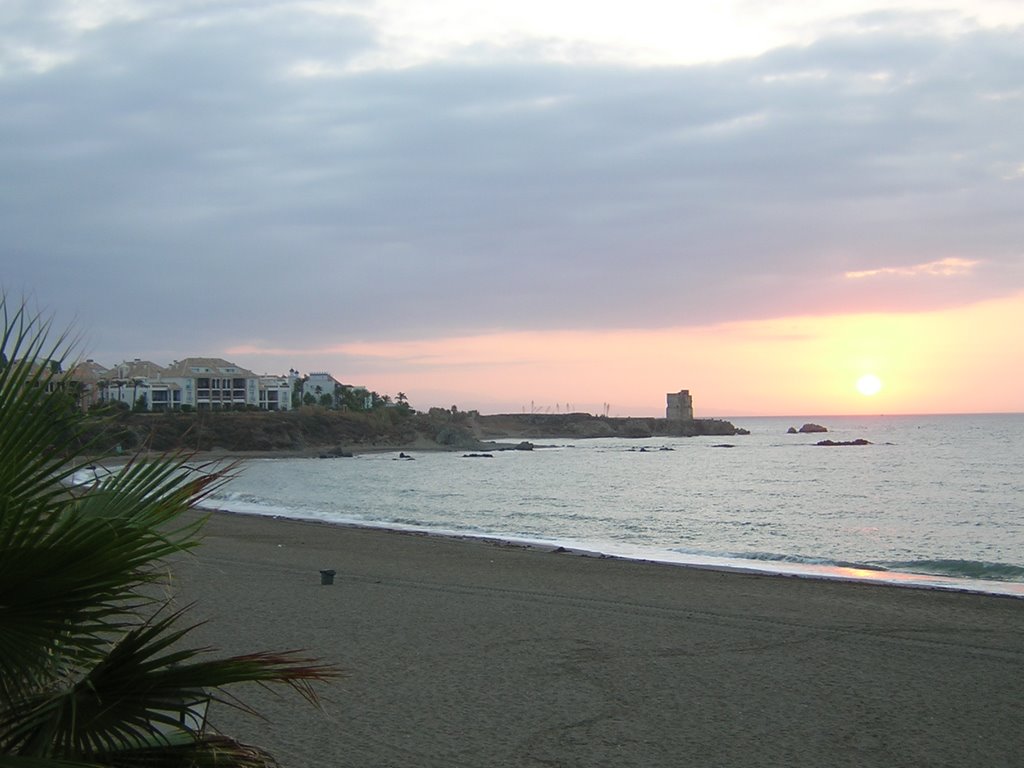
(326, 577)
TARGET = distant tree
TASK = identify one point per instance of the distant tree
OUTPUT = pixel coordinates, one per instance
(354, 399)
(297, 388)
(309, 399)
(135, 389)
(76, 391)
(141, 403)
(326, 400)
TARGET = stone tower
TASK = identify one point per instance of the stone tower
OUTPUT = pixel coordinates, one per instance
(680, 406)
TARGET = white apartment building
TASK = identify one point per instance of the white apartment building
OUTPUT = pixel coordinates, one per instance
(275, 393)
(212, 383)
(203, 383)
(320, 384)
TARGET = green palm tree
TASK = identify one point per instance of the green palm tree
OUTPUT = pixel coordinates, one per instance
(93, 672)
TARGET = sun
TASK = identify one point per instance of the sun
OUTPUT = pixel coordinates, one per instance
(869, 385)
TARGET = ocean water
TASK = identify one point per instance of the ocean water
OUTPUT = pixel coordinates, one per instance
(934, 501)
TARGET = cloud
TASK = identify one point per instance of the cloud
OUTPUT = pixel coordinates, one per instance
(201, 177)
(949, 267)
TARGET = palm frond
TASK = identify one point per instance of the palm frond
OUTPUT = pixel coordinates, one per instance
(144, 692)
(212, 751)
(73, 573)
(37, 422)
(92, 671)
(23, 761)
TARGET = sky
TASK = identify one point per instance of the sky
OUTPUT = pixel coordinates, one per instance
(531, 206)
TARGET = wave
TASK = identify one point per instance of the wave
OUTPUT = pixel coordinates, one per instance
(963, 569)
(774, 557)
(958, 569)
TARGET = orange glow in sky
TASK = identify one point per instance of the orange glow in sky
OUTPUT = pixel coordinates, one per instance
(964, 360)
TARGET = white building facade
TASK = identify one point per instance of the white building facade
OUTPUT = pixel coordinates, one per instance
(320, 384)
(202, 383)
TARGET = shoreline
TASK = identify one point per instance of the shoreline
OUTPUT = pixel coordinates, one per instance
(767, 568)
(852, 572)
(469, 653)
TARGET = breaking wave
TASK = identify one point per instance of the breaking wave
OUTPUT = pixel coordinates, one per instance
(958, 569)
(963, 569)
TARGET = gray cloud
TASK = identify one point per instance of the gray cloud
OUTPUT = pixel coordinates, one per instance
(179, 175)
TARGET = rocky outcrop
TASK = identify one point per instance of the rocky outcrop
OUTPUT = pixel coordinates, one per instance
(583, 425)
(858, 441)
(317, 431)
(808, 428)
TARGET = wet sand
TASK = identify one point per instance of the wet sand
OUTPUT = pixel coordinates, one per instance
(472, 653)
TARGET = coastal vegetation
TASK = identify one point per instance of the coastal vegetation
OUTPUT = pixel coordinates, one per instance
(95, 663)
(317, 429)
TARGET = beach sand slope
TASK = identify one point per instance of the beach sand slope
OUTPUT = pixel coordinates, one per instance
(474, 653)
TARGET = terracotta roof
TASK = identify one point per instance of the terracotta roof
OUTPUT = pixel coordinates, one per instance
(88, 371)
(213, 366)
(138, 369)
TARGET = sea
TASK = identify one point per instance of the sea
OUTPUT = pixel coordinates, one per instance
(932, 502)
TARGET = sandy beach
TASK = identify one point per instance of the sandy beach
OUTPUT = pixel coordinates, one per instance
(474, 653)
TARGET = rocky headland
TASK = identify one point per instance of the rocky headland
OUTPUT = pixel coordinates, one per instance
(317, 431)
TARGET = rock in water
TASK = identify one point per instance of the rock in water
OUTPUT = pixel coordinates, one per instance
(812, 428)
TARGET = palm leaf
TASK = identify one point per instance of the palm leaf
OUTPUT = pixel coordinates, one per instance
(36, 424)
(85, 677)
(143, 693)
(75, 577)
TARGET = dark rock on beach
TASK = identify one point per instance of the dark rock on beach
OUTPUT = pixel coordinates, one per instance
(858, 441)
